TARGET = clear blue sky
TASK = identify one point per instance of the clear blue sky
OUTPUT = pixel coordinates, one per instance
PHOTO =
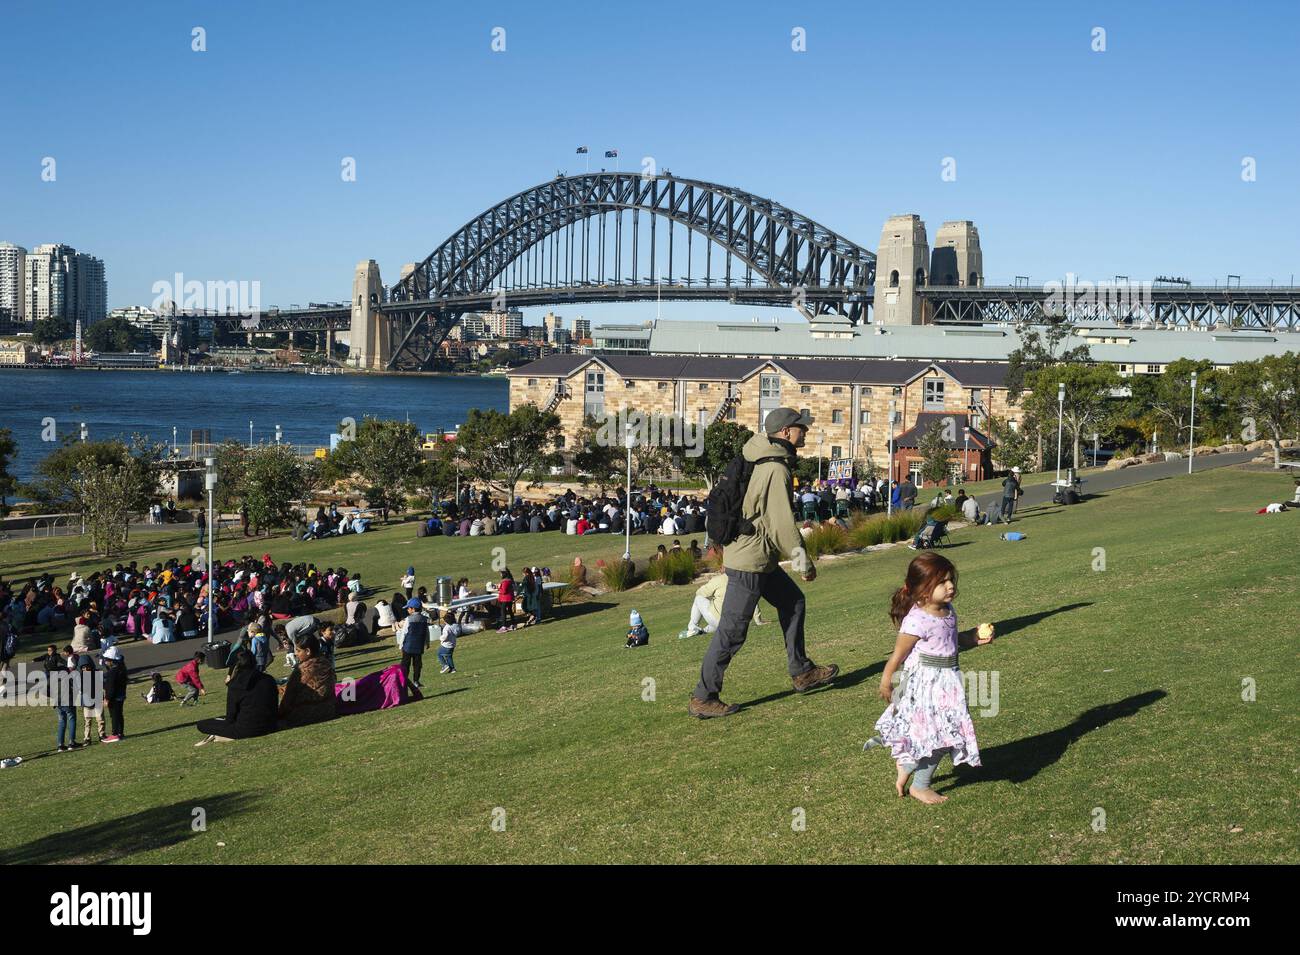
(226, 164)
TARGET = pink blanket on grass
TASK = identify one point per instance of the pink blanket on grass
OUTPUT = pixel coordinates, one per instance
(374, 691)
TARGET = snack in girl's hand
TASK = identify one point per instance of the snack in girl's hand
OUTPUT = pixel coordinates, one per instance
(984, 633)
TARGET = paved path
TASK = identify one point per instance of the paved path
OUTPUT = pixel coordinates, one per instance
(1101, 481)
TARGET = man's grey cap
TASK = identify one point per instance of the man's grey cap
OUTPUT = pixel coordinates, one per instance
(779, 418)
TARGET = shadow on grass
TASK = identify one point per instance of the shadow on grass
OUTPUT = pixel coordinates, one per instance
(1012, 624)
(842, 682)
(568, 611)
(1023, 759)
(433, 696)
(126, 836)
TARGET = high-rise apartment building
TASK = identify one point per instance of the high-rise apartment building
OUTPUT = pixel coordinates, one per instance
(582, 329)
(62, 282)
(13, 282)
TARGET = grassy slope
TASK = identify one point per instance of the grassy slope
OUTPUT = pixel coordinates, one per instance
(550, 724)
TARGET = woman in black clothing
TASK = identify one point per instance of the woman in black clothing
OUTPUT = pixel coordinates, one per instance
(251, 704)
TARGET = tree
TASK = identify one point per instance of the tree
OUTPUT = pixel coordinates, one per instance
(723, 440)
(276, 479)
(1266, 394)
(595, 456)
(1013, 447)
(55, 486)
(110, 334)
(104, 494)
(436, 475)
(232, 464)
(50, 331)
(1089, 398)
(386, 455)
(8, 483)
(936, 462)
(500, 448)
(1168, 397)
(1039, 350)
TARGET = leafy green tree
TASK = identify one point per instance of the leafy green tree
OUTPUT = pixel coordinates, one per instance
(1041, 346)
(104, 495)
(276, 479)
(8, 483)
(110, 334)
(56, 473)
(1266, 395)
(50, 331)
(387, 457)
(936, 461)
(1089, 398)
(1013, 447)
(500, 448)
(436, 475)
(232, 463)
(593, 455)
(723, 440)
(1168, 398)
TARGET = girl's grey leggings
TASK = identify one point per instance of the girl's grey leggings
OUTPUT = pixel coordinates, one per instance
(923, 769)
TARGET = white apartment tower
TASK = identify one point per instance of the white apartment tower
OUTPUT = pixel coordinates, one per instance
(62, 282)
(13, 282)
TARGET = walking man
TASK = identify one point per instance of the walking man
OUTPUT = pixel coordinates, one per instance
(751, 563)
(1010, 491)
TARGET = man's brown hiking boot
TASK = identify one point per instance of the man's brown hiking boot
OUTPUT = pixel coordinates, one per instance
(708, 709)
(817, 676)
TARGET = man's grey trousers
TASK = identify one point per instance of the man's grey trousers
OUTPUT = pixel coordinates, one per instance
(744, 588)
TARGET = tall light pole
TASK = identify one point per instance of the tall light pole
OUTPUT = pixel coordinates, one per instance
(250, 434)
(210, 480)
(629, 438)
(1060, 427)
(965, 460)
(1191, 430)
(889, 485)
(278, 434)
(85, 432)
(821, 435)
(1096, 440)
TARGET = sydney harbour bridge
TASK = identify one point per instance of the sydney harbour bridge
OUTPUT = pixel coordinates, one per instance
(623, 237)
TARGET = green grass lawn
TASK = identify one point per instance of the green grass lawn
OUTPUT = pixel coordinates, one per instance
(1119, 691)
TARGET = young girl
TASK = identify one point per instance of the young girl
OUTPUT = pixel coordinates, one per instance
(927, 716)
(408, 582)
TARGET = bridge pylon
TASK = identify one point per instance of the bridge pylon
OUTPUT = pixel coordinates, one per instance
(368, 342)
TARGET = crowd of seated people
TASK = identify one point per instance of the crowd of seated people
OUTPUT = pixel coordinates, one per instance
(654, 510)
(170, 601)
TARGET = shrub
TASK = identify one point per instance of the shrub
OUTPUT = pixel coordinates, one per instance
(617, 574)
(945, 512)
(676, 568)
(826, 539)
(882, 529)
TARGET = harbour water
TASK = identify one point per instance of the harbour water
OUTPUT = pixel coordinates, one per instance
(306, 407)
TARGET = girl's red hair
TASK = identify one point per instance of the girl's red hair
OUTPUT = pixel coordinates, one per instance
(926, 572)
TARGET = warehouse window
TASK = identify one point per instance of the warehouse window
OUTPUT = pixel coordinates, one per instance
(805, 389)
(866, 417)
(837, 416)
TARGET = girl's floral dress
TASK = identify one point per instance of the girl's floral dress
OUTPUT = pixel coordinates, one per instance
(928, 711)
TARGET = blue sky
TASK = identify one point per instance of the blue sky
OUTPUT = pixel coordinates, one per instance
(226, 164)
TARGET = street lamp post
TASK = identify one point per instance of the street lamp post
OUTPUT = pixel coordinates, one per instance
(85, 432)
(1060, 428)
(629, 439)
(278, 434)
(1096, 440)
(965, 460)
(250, 434)
(889, 489)
(210, 480)
(1191, 430)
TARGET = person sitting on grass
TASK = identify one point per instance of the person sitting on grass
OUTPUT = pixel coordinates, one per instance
(308, 696)
(251, 703)
(188, 677)
(160, 691)
(637, 634)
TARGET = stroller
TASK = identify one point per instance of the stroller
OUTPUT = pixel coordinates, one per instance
(932, 535)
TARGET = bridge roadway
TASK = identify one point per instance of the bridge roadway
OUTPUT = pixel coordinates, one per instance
(1253, 308)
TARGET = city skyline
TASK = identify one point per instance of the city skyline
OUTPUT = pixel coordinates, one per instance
(1068, 158)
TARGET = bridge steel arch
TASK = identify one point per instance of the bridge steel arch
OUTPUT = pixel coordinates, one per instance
(768, 254)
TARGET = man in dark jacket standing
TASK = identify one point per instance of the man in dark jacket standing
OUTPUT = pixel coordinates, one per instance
(1010, 492)
(114, 692)
(752, 565)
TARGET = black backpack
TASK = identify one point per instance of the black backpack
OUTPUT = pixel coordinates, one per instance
(725, 521)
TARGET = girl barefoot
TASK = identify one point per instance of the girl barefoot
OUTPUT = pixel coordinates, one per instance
(927, 716)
